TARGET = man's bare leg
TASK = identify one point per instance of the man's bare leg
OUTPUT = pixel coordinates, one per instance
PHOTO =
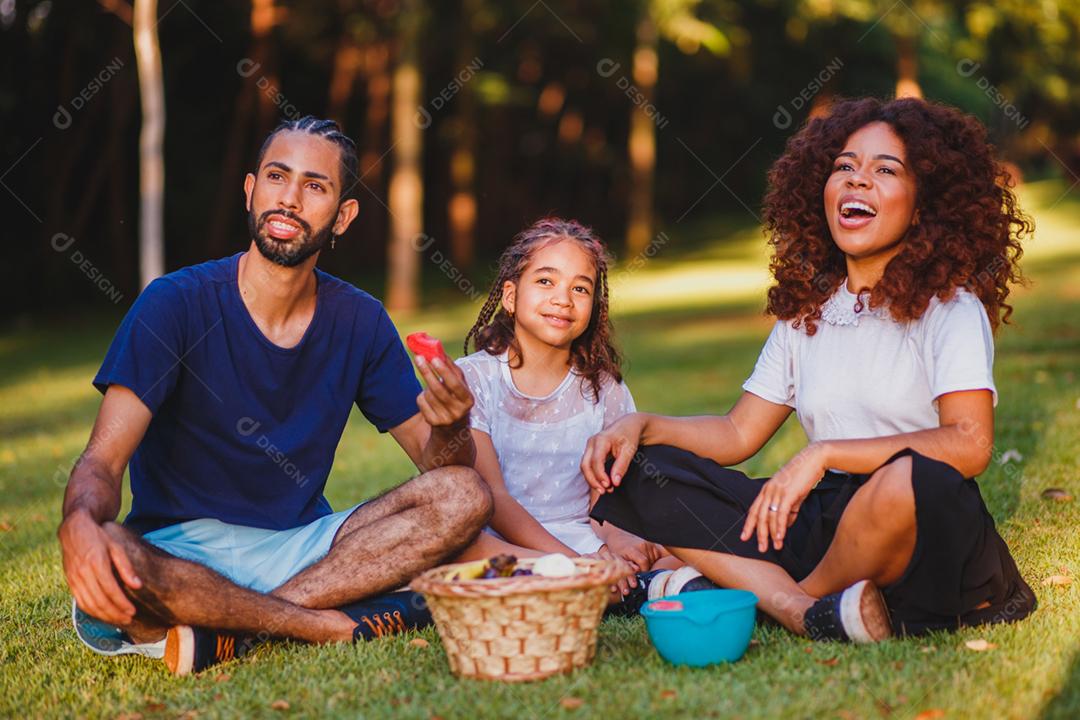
(387, 542)
(180, 592)
(440, 509)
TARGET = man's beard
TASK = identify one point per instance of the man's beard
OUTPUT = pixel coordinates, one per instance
(287, 253)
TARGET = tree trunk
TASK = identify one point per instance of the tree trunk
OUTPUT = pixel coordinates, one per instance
(461, 208)
(373, 149)
(151, 157)
(642, 140)
(907, 66)
(406, 193)
(347, 61)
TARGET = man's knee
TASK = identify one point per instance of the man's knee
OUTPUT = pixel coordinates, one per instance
(890, 492)
(464, 494)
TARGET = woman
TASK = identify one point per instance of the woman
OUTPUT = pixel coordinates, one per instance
(896, 235)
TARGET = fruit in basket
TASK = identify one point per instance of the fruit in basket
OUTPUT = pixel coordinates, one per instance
(468, 571)
(554, 565)
(503, 565)
(494, 567)
(520, 572)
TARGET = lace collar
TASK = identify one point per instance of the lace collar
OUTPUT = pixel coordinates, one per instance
(840, 308)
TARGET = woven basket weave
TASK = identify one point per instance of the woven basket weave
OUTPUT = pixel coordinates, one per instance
(520, 628)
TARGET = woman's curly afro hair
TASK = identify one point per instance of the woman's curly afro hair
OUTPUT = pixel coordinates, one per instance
(969, 228)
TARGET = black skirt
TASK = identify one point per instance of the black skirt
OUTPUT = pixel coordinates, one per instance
(673, 497)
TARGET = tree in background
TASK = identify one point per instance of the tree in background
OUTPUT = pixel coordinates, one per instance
(406, 187)
(151, 137)
(677, 21)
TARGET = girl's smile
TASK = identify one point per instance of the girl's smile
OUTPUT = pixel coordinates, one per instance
(552, 301)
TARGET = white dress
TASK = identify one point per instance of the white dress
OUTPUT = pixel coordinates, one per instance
(865, 375)
(540, 441)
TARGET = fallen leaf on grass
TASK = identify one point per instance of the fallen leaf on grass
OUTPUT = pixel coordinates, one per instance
(154, 707)
(1058, 580)
(571, 703)
(1056, 494)
(830, 662)
(5, 526)
(419, 643)
(668, 694)
(222, 677)
(932, 714)
(1010, 454)
(280, 705)
(979, 645)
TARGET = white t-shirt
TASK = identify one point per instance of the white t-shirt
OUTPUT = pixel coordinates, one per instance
(540, 440)
(865, 375)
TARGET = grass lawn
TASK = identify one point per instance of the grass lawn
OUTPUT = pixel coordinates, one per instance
(690, 323)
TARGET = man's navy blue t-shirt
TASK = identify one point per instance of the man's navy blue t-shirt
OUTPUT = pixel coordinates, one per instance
(245, 431)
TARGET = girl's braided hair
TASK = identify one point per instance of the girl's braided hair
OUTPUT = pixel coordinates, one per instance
(593, 354)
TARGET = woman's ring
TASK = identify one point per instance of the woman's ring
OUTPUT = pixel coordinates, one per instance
(774, 508)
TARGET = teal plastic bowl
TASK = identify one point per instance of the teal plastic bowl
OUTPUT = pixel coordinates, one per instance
(714, 626)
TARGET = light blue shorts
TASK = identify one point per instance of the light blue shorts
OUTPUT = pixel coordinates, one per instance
(251, 557)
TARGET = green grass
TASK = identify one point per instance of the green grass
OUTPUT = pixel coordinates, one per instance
(690, 323)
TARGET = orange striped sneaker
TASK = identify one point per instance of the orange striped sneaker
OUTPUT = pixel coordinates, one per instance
(192, 649)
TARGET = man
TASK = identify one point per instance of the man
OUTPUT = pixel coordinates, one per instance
(228, 386)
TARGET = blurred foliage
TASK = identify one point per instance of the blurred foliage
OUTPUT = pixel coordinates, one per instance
(552, 128)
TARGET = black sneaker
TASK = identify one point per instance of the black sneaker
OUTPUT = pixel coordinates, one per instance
(638, 596)
(857, 615)
(388, 614)
(193, 649)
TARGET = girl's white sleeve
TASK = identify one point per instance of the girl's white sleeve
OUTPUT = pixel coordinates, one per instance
(617, 401)
(773, 378)
(480, 387)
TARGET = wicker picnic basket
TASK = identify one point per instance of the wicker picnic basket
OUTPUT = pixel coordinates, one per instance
(520, 628)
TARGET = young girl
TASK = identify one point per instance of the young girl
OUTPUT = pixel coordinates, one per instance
(545, 377)
(896, 236)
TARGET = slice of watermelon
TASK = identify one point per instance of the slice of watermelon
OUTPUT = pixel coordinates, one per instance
(426, 346)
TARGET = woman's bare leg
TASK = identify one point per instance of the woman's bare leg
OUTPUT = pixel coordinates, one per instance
(778, 594)
(876, 536)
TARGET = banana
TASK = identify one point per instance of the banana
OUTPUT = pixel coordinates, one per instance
(467, 571)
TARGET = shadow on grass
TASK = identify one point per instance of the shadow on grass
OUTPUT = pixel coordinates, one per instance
(1066, 704)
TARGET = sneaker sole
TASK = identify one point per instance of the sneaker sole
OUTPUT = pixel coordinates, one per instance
(864, 614)
(180, 649)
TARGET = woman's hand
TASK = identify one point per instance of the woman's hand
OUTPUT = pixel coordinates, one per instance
(619, 440)
(776, 506)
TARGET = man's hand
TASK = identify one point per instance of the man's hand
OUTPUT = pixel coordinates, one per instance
(620, 440)
(446, 400)
(90, 555)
